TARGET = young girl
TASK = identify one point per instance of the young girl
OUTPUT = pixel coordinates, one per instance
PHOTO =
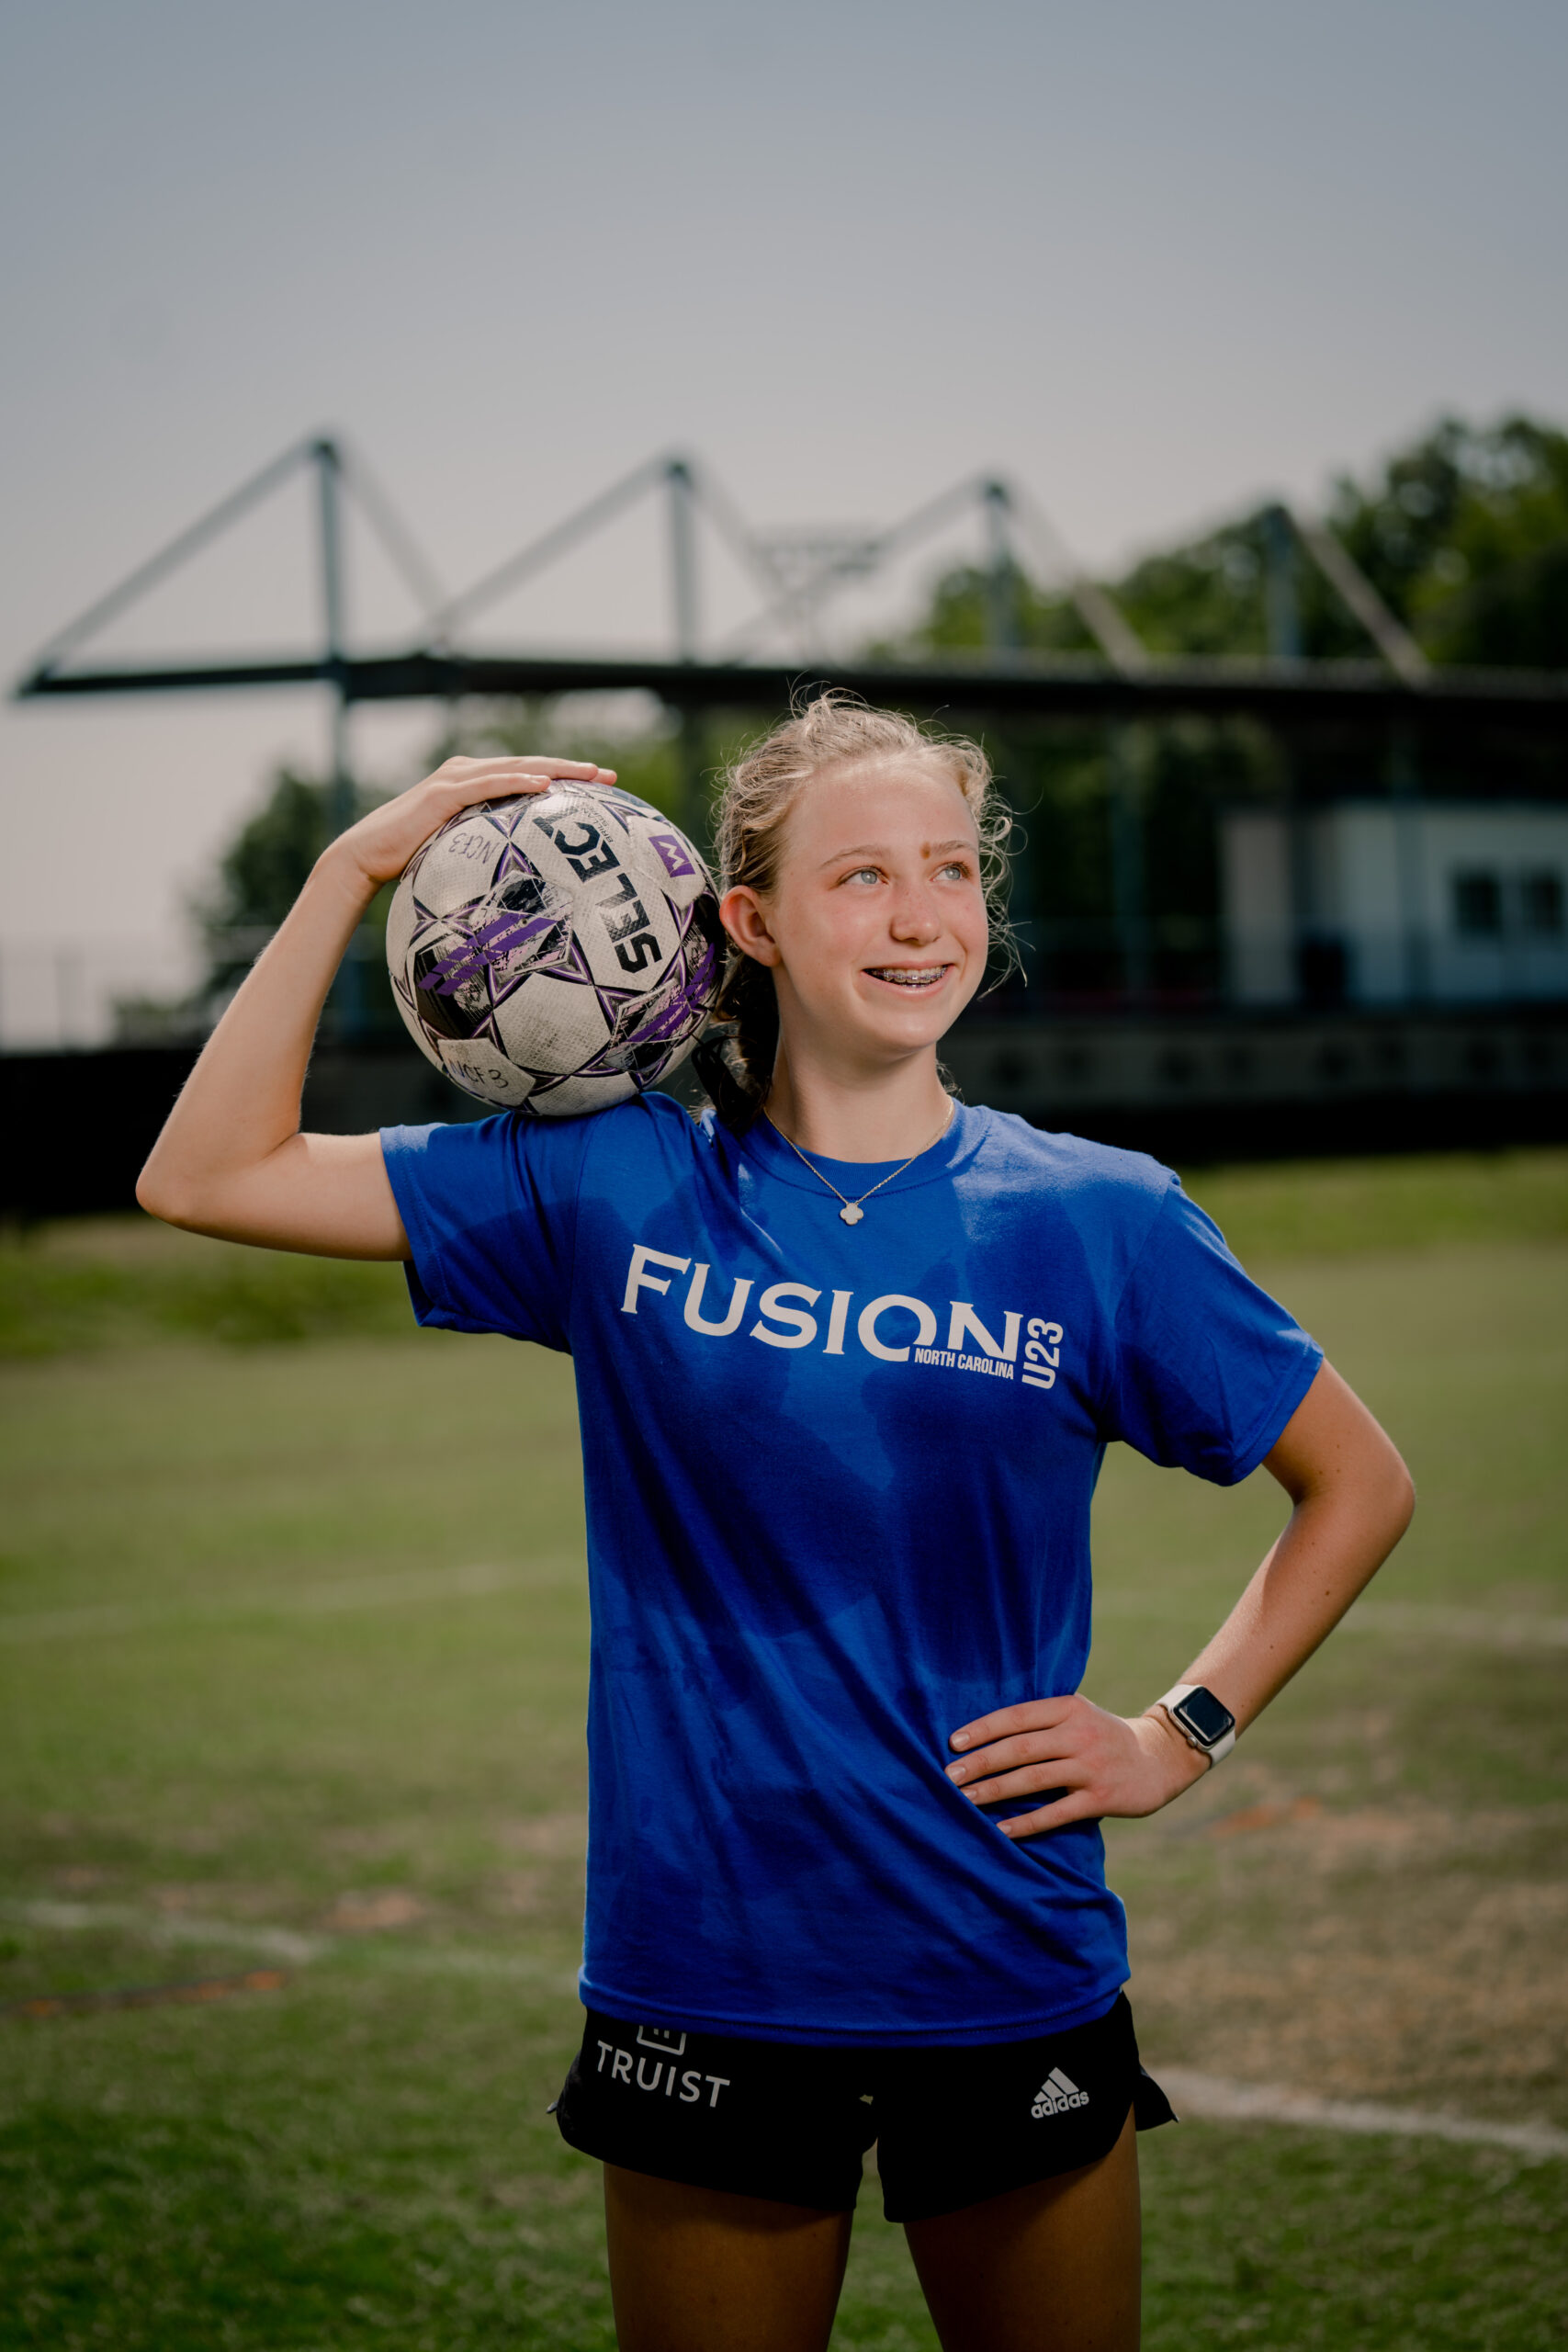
(848, 1359)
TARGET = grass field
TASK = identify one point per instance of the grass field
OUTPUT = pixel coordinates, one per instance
(292, 1634)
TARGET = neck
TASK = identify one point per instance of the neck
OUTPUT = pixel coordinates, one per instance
(890, 1115)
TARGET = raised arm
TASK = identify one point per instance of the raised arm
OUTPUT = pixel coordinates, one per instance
(232, 1161)
(1351, 1499)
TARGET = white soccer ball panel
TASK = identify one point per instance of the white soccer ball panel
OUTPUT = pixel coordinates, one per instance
(627, 937)
(624, 926)
(574, 1097)
(455, 868)
(659, 853)
(510, 907)
(551, 1025)
(480, 1071)
(653, 1023)
(402, 923)
(670, 863)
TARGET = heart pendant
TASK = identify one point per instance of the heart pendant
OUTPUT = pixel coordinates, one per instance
(851, 1212)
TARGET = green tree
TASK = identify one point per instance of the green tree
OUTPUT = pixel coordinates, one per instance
(1466, 537)
(646, 756)
(958, 618)
(261, 873)
(678, 771)
(1463, 533)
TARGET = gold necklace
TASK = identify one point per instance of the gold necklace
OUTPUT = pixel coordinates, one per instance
(852, 1211)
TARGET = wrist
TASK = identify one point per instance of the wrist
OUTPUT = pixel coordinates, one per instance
(1200, 1718)
(338, 870)
(1183, 1763)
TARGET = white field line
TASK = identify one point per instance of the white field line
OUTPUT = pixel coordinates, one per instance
(1212, 2099)
(1206, 2097)
(409, 1586)
(170, 1927)
(177, 1928)
(1414, 1620)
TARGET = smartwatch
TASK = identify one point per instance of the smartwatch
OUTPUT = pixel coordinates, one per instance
(1204, 1722)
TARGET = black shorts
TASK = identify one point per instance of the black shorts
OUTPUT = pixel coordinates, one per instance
(792, 2122)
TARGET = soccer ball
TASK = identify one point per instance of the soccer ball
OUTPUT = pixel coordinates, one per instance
(555, 953)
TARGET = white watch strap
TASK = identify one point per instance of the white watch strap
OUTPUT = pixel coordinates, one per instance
(1171, 1701)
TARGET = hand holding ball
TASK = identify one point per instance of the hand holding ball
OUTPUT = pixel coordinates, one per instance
(557, 951)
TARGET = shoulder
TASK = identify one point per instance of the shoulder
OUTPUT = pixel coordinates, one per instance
(636, 1149)
(1082, 1176)
(648, 1128)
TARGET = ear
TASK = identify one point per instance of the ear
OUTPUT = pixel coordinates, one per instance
(745, 919)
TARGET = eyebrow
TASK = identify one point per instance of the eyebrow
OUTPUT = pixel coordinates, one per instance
(879, 848)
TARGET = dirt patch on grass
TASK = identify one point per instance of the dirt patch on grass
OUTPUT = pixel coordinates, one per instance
(364, 1911)
(1394, 1952)
(558, 1837)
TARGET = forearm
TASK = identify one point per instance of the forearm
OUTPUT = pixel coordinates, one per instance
(240, 1103)
(1333, 1545)
(1352, 1500)
(231, 1159)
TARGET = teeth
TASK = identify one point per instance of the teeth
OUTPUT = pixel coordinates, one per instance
(905, 979)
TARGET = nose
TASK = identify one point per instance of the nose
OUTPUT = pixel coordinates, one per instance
(914, 917)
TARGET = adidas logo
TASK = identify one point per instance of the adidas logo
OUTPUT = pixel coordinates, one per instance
(1057, 2094)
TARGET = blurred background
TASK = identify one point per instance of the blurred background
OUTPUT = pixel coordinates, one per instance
(1175, 399)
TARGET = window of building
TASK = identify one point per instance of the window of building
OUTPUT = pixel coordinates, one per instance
(1540, 903)
(1478, 906)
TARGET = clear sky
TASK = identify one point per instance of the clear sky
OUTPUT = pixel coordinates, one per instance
(1151, 258)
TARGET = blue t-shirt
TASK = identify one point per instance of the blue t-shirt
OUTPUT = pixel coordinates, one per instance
(838, 1483)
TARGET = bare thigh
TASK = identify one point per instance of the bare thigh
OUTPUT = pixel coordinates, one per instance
(1052, 2267)
(701, 2270)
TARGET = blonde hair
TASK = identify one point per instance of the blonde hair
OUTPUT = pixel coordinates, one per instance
(834, 729)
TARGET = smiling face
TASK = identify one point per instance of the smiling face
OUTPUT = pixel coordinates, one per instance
(875, 930)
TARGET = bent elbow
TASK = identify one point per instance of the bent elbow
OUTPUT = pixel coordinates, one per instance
(159, 1197)
(1401, 1495)
(150, 1193)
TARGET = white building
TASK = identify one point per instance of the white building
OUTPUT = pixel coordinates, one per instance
(1394, 902)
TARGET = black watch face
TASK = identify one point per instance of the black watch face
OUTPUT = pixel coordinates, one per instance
(1205, 1717)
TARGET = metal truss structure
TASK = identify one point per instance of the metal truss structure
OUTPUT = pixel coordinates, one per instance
(1155, 1063)
(796, 579)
